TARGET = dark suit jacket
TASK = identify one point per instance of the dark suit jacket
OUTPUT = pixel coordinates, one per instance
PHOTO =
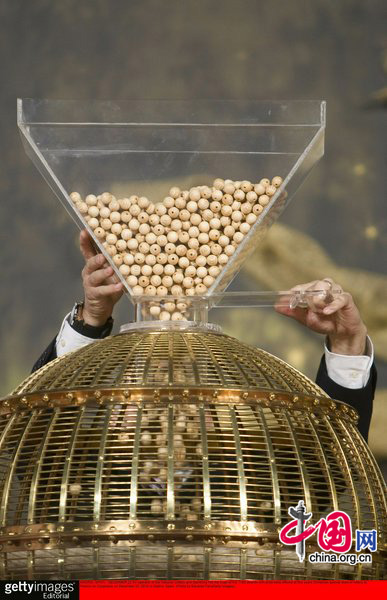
(361, 399)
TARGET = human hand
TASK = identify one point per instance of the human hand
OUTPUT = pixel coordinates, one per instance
(332, 313)
(101, 287)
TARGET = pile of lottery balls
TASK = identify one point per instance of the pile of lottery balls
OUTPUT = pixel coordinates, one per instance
(180, 245)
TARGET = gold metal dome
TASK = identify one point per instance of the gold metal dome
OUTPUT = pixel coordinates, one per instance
(176, 454)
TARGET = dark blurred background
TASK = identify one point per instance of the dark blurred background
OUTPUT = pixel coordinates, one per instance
(120, 49)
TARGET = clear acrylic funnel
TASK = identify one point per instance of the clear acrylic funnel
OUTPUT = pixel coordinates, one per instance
(143, 147)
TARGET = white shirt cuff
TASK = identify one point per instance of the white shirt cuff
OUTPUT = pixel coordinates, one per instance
(69, 340)
(351, 372)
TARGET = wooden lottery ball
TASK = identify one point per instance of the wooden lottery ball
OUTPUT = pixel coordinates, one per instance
(257, 209)
(161, 240)
(193, 232)
(193, 243)
(173, 259)
(124, 203)
(206, 192)
(176, 290)
(121, 245)
(169, 269)
(184, 215)
(203, 238)
(106, 198)
(218, 183)
(128, 259)
(114, 205)
(212, 260)
(194, 194)
(195, 219)
(246, 186)
(140, 238)
(158, 269)
(83, 208)
(187, 282)
(112, 250)
(125, 216)
(192, 206)
(165, 316)
(92, 210)
(259, 189)
(143, 202)
(155, 249)
(155, 280)
(213, 270)
(227, 200)
(271, 190)
(161, 291)
(239, 195)
(204, 227)
(143, 281)
(215, 223)
(116, 228)
(162, 258)
(216, 249)
(229, 230)
(265, 182)
(176, 225)
(104, 213)
(200, 289)
(205, 250)
(143, 217)
(75, 489)
(76, 197)
(191, 254)
(176, 316)
(251, 218)
(131, 280)
(201, 261)
(214, 235)
(169, 306)
(174, 192)
(229, 250)
(137, 290)
(118, 260)
(223, 240)
(185, 225)
(167, 281)
(181, 250)
(207, 214)
(223, 259)
(237, 216)
(132, 244)
(90, 200)
(203, 203)
(134, 210)
(135, 270)
(154, 310)
(226, 210)
(229, 188)
(169, 248)
(154, 220)
(190, 292)
(238, 237)
(251, 197)
(100, 233)
(139, 258)
(276, 181)
(125, 270)
(111, 238)
(173, 212)
(217, 195)
(115, 217)
(180, 203)
(246, 208)
(236, 205)
(94, 223)
(150, 260)
(134, 224)
(178, 277)
(201, 272)
(183, 262)
(244, 228)
(147, 270)
(190, 271)
(263, 200)
(172, 236)
(169, 202)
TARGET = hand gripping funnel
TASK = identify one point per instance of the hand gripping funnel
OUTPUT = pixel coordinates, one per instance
(145, 147)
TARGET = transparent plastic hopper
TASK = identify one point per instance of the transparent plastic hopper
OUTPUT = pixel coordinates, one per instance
(142, 148)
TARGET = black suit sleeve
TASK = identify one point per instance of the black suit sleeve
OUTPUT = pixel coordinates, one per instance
(360, 399)
(48, 355)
